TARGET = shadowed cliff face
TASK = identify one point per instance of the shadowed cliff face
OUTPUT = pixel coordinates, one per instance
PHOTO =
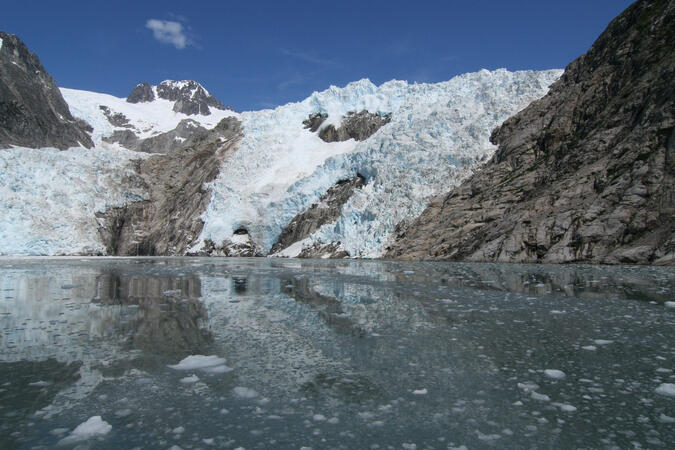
(169, 221)
(32, 111)
(584, 174)
(326, 210)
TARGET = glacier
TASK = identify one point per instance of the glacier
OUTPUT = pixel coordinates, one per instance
(49, 198)
(438, 134)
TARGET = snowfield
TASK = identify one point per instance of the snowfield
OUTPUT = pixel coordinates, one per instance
(437, 135)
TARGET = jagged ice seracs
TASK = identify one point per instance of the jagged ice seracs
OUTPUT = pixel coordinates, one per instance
(437, 134)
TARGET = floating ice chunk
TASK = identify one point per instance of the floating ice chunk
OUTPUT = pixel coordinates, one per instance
(94, 426)
(123, 412)
(218, 369)
(189, 380)
(333, 420)
(666, 419)
(669, 304)
(39, 383)
(244, 392)
(667, 389)
(540, 397)
(198, 362)
(318, 417)
(409, 446)
(590, 348)
(208, 441)
(58, 431)
(178, 430)
(555, 374)
(528, 386)
(565, 407)
(602, 342)
(420, 392)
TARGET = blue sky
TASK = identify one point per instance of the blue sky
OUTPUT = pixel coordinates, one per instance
(259, 54)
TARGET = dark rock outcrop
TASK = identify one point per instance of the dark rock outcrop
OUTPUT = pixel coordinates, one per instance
(584, 174)
(32, 111)
(162, 143)
(239, 245)
(190, 97)
(331, 250)
(168, 222)
(358, 126)
(115, 119)
(314, 121)
(326, 210)
(142, 93)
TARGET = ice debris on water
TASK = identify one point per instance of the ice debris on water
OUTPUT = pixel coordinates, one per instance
(94, 426)
(198, 362)
(555, 374)
(667, 389)
(189, 380)
(244, 392)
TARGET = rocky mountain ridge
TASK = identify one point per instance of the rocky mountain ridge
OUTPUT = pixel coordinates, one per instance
(585, 174)
(190, 97)
(32, 111)
(329, 176)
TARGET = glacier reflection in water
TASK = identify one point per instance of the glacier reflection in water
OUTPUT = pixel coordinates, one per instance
(335, 354)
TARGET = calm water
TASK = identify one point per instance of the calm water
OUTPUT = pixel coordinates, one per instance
(334, 354)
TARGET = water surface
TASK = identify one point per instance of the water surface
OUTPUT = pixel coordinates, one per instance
(335, 354)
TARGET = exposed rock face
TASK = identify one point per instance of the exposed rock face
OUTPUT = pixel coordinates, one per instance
(115, 119)
(314, 121)
(331, 250)
(32, 110)
(190, 97)
(162, 143)
(240, 244)
(358, 126)
(142, 93)
(326, 210)
(584, 174)
(169, 221)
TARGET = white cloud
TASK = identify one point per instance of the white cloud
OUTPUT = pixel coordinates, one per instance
(168, 32)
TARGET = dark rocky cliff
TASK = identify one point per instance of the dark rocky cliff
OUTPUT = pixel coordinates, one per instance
(584, 174)
(32, 111)
(326, 210)
(169, 221)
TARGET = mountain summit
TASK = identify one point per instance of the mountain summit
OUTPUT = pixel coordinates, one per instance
(189, 96)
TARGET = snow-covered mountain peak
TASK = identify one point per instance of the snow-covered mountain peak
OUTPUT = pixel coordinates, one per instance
(189, 97)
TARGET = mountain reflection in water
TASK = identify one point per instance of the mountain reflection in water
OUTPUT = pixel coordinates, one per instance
(340, 354)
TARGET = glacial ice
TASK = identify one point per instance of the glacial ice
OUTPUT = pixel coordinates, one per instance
(50, 197)
(438, 133)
